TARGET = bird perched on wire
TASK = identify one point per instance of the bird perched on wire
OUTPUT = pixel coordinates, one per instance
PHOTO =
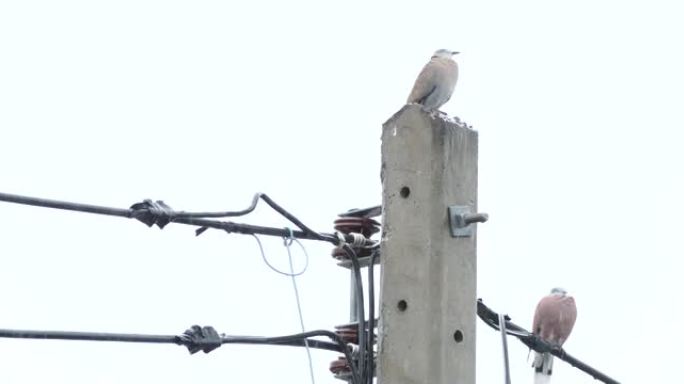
(436, 82)
(553, 321)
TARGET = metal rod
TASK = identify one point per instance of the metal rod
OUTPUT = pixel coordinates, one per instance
(504, 343)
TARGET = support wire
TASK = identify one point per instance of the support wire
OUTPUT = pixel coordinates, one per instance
(504, 343)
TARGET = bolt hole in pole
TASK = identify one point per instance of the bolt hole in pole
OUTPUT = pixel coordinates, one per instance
(402, 305)
(458, 336)
(404, 192)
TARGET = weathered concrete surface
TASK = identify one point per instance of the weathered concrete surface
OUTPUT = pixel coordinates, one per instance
(422, 264)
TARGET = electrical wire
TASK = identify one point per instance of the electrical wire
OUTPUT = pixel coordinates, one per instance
(299, 339)
(356, 268)
(343, 347)
(370, 364)
(56, 204)
(288, 242)
(274, 269)
(251, 208)
(338, 344)
(158, 213)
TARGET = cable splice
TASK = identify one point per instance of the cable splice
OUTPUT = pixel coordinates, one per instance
(198, 338)
(152, 212)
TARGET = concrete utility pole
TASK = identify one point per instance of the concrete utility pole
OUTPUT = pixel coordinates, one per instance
(428, 298)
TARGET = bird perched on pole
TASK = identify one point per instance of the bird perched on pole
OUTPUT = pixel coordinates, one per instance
(553, 321)
(436, 82)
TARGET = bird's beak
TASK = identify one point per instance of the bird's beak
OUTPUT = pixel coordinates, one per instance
(454, 52)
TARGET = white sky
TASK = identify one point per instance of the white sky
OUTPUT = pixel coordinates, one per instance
(201, 104)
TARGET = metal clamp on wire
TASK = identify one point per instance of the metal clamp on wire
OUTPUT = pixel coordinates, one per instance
(198, 338)
(153, 212)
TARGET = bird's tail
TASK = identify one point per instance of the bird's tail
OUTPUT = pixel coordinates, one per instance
(543, 366)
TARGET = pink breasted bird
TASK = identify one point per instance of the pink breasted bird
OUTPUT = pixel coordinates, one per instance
(553, 321)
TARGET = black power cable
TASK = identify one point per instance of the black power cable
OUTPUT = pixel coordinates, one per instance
(251, 208)
(195, 339)
(160, 214)
(290, 340)
(360, 312)
(46, 203)
(370, 364)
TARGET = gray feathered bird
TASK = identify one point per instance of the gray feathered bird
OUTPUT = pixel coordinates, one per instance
(436, 81)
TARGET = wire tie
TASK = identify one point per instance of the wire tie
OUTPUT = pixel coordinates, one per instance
(359, 240)
(287, 240)
(198, 338)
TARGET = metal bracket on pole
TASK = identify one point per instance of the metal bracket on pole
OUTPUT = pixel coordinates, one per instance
(460, 219)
